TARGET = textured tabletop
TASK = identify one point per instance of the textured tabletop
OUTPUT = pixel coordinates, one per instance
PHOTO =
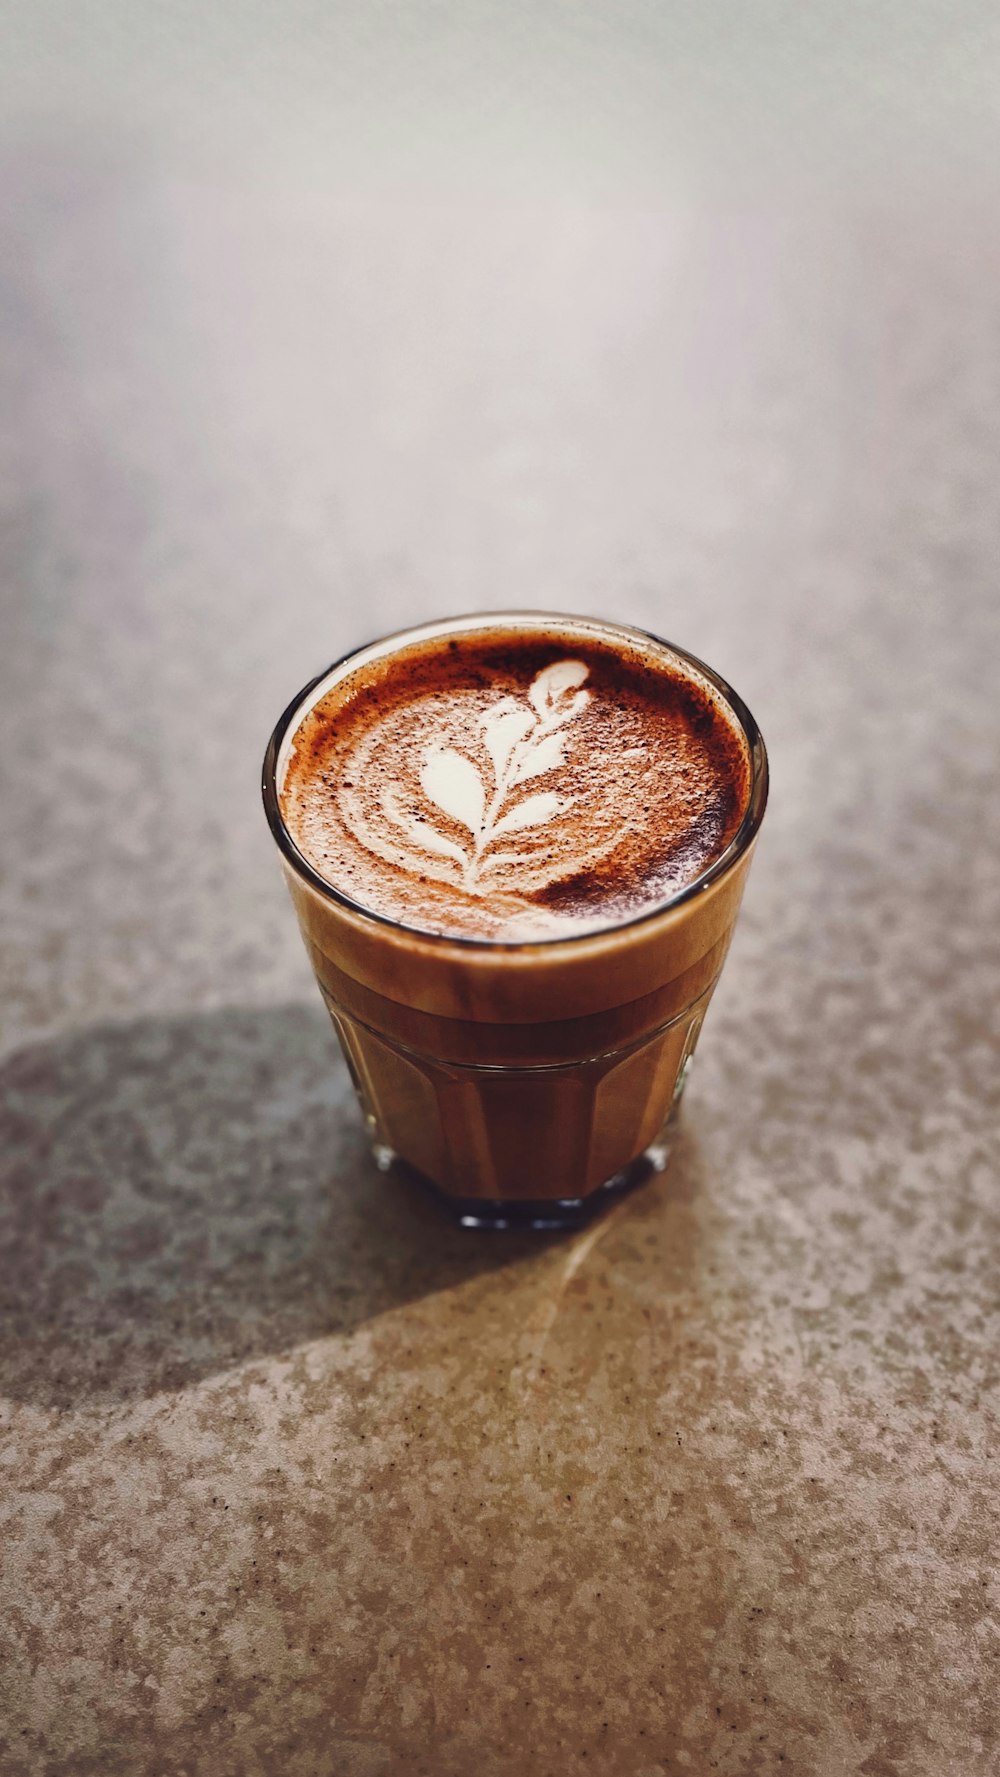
(296, 1479)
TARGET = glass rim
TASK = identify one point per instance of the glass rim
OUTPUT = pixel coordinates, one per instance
(746, 832)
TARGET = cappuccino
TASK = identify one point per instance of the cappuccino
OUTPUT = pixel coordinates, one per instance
(520, 784)
(517, 845)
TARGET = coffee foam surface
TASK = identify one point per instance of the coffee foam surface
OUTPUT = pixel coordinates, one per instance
(513, 785)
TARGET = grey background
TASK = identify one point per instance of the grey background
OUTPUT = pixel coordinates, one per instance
(317, 321)
(322, 321)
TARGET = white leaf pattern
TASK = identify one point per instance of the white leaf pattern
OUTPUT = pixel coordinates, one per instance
(453, 784)
(420, 832)
(428, 836)
(545, 756)
(571, 706)
(503, 727)
(523, 741)
(552, 684)
(530, 813)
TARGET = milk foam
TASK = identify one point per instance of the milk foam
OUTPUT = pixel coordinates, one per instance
(488, 791)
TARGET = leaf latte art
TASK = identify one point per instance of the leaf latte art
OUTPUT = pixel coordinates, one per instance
(518, 743)
(509, 789)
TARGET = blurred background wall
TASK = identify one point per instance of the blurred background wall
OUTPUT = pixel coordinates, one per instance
(320, 319)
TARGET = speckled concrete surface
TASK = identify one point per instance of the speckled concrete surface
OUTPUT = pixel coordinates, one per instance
(296, 1479)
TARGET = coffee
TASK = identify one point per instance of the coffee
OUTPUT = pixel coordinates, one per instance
(517, 845)
(518, 784)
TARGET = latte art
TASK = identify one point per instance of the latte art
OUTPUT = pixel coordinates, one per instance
(514, 788)
(522, 744)
(475, 796)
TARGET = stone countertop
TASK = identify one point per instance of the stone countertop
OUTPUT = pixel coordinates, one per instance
(297, 1479)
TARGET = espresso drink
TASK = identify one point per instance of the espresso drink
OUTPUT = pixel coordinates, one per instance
(517, 846)
(521, 785)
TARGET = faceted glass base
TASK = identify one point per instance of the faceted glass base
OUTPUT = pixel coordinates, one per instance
(538, 1146)
(544, 1213)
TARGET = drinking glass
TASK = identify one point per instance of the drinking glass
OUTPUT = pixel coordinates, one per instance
(523, 1081)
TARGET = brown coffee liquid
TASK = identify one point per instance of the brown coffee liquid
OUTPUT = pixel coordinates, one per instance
(516, 784)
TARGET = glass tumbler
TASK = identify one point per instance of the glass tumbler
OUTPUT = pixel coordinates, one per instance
(524, 1081)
